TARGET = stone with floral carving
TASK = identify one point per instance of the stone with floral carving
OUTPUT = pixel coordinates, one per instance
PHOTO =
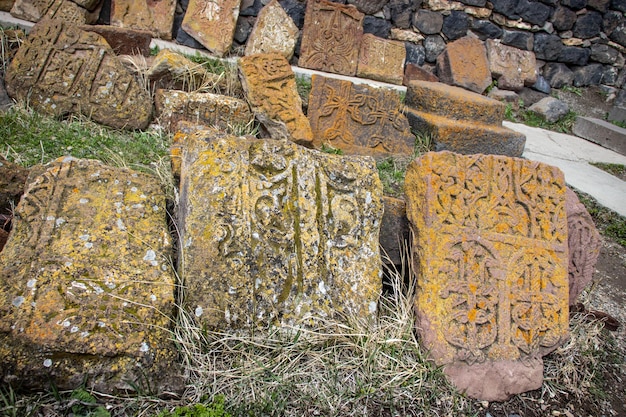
(66, 10)
(212, 23)
(381, 59)
(490, 243)
(273, 233)
(512, 67)
(273, 32)
(358, 119)
(62, 69)
(86, 288)
(156, 17)
(270, 87)
(331, 37)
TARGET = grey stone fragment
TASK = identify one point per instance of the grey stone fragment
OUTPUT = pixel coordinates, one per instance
(588, 75)
(434, 45)
(588, 25)
(377, 26)
(533, 12)
(574, 55)
(563, 18)
(542, 85)
(550, 109)
(547, 47)
(415, 54)
(603, 53)
(574, 4)
(486, 30)
(428, 22)
(518, 39)
(455, 25)
(558, 75)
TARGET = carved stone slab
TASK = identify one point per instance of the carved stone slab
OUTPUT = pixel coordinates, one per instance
(381, 59)
(274, 233)
(464, 64)
(156, 17)
(66, 10)
(62, 69)
(273, 32)
(124, 41)
(206, 109)
(512, 67)
(270, 87)
(358, 119)
(86, 291)
(212, 23)
(490, 237)
(331, 37)
(584, 245)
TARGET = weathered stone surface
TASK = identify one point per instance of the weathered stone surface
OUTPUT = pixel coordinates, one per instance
(66, 10)
(270, 87)
(601, 132)
(273, 32)
(400, 12)
(62, 69)
(588, 75)
(512, 67)
(533, 11)
(434, 45)
(212, 23)
(414, 72)
(87, 292)
(574, 55)
(563, 18)
(381, 59)
(484, 29)
(518, 39)
(12, 183)
(6, 5)
(490, 240)
(243, 29)
(588, 25)
(415, 54)
(464, 64)
(428, 22)
(377, 26)
(550, 108)
(394, 231)
(295, 9)
(574, 4)
(358, 119)
(505, 96)
(206, 109)
(156, 17)
(124, 41)
(88, 4)
(584, 245)
(369, 6)
(331, 37)
(542, 85)
(604, 53)
(558, 74)
(406, 36)
(274, 233)
(455, 25)
(547, 47)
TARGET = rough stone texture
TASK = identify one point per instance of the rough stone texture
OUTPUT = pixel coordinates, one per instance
(12, 182)
(87, 292)
(603, 53)
(6, 5)
(295, 9)
(288, 234)
(512, 67)
(331, 37)
(588, 25)
(505, 96)
(124, 41)
(415, 54)
(206, 109)
(394, 231)
(413, 72)
(618, 35)
(66, 10)
(550, 108)
(358, 119)
(574, 4)
(460, 121)
(88, 4)
(574, 55)
(490, 240)
(428, 22)
(603, 133)
(600, 5)
(434, 45)
(547, 47)
(464, 64)
(243, 29)
(369, 6)
(558, 74)
(156, 17)
(62, 69)
(381, 59)
(533, 11)
(518, 39)
(270, 87)
(377, 26)
(212, 23)
(584, 245)
(455, 25)
(182, 37)
(400, 12)
(273, 32)
(588, 75)
(484, 29)
(563, 18)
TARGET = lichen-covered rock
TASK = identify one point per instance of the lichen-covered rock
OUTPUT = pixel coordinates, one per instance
(62, 69)
(490, 243)
(154, 16)
(66, 10)
(273, 32)
(86, 290)
(270, 87)
(276, 234)
(212, 23)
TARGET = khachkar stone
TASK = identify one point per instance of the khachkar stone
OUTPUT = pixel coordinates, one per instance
(270, 87)
(381, 59)
(206, 109)
(490, 239)
(331, 37)
(511, 67)
(464, 64)
(66, 10)
(358, 119)
(276, 234)
(156, 17)
(86, 290)
(273, 32)
(212, 23)
(584, 244)
(62, 69)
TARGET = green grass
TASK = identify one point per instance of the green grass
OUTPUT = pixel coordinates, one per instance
(619, 170)
(564, 125)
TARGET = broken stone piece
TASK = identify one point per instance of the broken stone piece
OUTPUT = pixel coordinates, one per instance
(156, 17)
(62, 69)
(464, 64)
(66, 10)
(212, 23)
(273, 32)
(381, 59)
(512, 67)
(490, 243)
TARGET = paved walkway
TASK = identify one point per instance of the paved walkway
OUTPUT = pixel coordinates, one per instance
(573, 156)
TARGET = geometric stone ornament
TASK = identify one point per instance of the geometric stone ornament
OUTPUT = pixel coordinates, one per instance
(273, 233)
(464, 64)
(584, 245)
(86, 288)
(212, 23)
(66, 10)
(62, 69)
(206, 109)
(269, 84)
(490, 239)
(273, 32)
(381, 59)
(358, 119)
(512, 67)
(156, 17)
(331, 37)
